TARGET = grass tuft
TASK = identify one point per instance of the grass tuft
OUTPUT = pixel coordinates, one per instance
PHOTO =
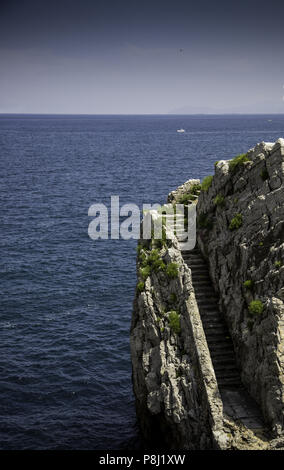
(238, 162)
(172, 270)
(206, 183)
(236, 222)
(174, 321)
(256, 307)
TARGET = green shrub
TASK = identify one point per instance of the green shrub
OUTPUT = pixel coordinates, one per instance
(174, 321)
(141, 254)
(256, 307)
(206, 183)
(248, 284)
(186, 198)
(236, 222)
(216, 163)
(154, 261)
(277, 264)
(145, 272)
(260, 244)
(219, 200)
(195, 188)
(173, 298)
(238, 161)
(139, 250)
(161, 242)
(140, 286)
(172, 270)
(264, 174)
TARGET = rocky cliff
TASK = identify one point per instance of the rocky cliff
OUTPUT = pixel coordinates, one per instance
(177, 397)
(240, 233)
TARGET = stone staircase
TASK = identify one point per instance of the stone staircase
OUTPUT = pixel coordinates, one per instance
(237, 402)
(216, 332)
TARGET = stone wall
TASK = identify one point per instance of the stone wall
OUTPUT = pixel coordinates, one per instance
(177, 399)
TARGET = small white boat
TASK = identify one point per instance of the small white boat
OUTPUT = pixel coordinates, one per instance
(180, 130)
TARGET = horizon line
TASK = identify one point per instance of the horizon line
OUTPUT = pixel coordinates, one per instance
(142, 114)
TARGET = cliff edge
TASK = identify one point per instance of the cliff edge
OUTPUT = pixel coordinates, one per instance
(181, 400)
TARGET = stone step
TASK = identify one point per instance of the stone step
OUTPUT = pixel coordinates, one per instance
(193, 255)
(210, 310)
(222, 360)
(196, 264)
(208, 326)
(222, 354)
(205, 304)
(215, 333)
(201, 276)
(223, 345)
(226, 369)
(216, 330)
(206, 297)
(211, 321)
(230, 383)
(217, 336)
(205, 291)
(202, 283)
(194, 259)
(220, 335)
(227, 374)
(197, 277)
(209, 316)
(198, 271)
(208, 320)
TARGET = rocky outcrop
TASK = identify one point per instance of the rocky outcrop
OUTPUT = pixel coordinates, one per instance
(177, 398)
(240, 215)
(241, 234)
(184, 189)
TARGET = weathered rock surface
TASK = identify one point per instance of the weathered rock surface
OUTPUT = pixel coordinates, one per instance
(177, 398)
(185, 188)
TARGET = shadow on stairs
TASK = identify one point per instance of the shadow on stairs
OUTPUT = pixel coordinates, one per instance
(237, 402)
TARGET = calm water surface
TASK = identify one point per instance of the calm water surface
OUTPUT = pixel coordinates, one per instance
(65, 370)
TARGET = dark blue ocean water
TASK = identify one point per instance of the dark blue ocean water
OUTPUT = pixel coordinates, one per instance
(65, 370)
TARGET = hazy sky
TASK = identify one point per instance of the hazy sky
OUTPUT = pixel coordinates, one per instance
(89, 56)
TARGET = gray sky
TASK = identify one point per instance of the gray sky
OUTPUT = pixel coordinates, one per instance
(95, 57)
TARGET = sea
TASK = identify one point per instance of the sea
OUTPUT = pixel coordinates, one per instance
(66, 299)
